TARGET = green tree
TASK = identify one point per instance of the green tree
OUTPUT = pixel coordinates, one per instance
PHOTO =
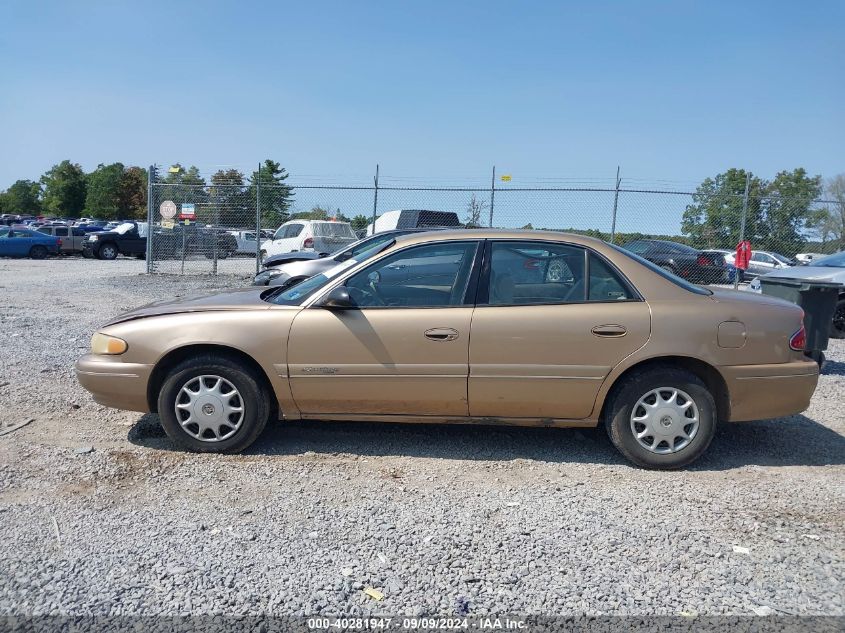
(276, 195)
(316, 213)
(184, 186)
(713, 219)
(23, 198)
(229, 202)
(103, 197)
(359, 222)
(787, 210)
(65, 188)
(132, 195)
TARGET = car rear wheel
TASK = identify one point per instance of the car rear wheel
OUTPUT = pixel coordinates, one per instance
(38, 252)
(107, 251)
(837, 327)
(213, 404)
(662, 418)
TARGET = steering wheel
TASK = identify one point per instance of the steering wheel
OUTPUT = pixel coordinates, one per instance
(365, 297)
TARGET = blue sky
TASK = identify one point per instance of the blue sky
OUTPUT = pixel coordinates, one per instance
(671, 91)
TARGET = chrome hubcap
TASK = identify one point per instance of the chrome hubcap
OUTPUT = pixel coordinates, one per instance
(209, 408)
(665, 420)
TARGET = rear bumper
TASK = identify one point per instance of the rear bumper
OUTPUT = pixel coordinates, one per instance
(759, 392)
(113, 383)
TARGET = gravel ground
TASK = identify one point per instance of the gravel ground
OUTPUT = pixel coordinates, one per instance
(100, 514)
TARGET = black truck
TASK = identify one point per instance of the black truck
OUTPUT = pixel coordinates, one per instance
(130, 239)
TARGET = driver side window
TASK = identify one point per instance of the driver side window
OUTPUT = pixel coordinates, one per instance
(427, 276)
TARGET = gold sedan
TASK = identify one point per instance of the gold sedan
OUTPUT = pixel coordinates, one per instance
(494, 327)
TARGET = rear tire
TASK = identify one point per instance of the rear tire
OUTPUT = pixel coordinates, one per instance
(233, 434)
(38, 252)
(837, 326)
(678, 440)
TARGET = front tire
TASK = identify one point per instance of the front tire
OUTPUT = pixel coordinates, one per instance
(662, 418)
(213, 404)
(107, 251)
(837, 326)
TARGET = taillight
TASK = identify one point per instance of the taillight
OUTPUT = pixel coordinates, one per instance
(308, 243)
(59, 243)
(798, 341)
(703, 260)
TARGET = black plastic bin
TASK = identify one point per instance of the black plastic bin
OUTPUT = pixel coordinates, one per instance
(818, 300)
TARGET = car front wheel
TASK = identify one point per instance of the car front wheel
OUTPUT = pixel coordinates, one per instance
(837, 327)
(107, 251)
(213, 404)
(662, 418)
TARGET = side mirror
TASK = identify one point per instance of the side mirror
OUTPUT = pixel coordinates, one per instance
(337, 299)
(322, 255)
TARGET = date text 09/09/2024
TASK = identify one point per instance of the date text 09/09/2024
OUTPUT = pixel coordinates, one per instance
(428, 624)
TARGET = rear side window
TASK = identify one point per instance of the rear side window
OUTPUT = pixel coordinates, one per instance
(293, 230)
(605, 284)
(61, 232)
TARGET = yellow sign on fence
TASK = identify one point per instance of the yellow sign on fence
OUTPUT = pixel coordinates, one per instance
(506, 177)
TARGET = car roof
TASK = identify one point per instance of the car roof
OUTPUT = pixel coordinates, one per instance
(480, 234)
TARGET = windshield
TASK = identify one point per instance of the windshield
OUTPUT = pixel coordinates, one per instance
(831, 261)
(637, 247)
(781, 258)
(298, 293)
(683, 283)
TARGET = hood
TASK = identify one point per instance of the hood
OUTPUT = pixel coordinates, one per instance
(284, 258)
(240, 299)
(816, 273)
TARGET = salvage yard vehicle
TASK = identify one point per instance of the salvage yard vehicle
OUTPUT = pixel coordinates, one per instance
(246, 243)
(15, 242)
(693, 265)
(529, 328)
(413, 219)
(319, 236)
(72, 237)
(128, 238)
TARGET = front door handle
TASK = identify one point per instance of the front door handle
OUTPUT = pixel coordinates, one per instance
(609, 331)
(441, 334)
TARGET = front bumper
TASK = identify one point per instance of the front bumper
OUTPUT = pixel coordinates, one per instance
(114, 383)
(760, 392)
(88, 248)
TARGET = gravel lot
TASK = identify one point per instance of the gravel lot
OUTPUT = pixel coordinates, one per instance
(99, 513)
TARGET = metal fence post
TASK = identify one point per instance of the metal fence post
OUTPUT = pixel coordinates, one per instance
(375, 200)
(258, 221)
(492, 197)
(615, 206)
(150, 176)
(742, 222)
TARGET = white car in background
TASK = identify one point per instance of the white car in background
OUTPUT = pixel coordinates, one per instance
(319, 236)
(807, 258)
(246, 242)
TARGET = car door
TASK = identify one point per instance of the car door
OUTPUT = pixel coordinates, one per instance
(541, 346)
(402, 350)
(761, 264)
(63, 233)
(285, 240)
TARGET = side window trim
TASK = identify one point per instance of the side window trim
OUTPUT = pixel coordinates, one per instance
(482, 297)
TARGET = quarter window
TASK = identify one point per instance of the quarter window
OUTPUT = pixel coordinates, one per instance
(433, 275)
(293, 230)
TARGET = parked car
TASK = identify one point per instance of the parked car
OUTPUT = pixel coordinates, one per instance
(412, 219)
(73, 238)
(728, 257)
(245, 242)
(682, 260)
(193, 239)
(320, 236)
(659, 361)
(129, 238)
(25, 242)
(830, 268)
(289, 269)
(763, 262)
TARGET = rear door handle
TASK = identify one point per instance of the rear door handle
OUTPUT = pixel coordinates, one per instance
(609, 331)
(441, 334)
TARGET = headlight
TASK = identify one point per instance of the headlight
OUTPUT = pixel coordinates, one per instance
(267, 275)
(93, 238)
(105, 344)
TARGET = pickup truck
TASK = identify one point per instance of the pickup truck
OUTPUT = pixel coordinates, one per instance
(129, 238)
(72, 238)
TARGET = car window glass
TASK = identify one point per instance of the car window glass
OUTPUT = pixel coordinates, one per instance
(78, 232)
(61, 232)
(605, 283)
(834, 261)
(430, 275)
(4, 232)
(638, 247)
(524, 273)
(293, 230)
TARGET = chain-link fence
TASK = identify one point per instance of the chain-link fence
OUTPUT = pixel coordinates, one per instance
(230, 224)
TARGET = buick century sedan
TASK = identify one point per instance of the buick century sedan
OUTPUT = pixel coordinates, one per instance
(493, 327)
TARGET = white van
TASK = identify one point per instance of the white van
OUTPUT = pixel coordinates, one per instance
(319, 236)
(413, 219)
